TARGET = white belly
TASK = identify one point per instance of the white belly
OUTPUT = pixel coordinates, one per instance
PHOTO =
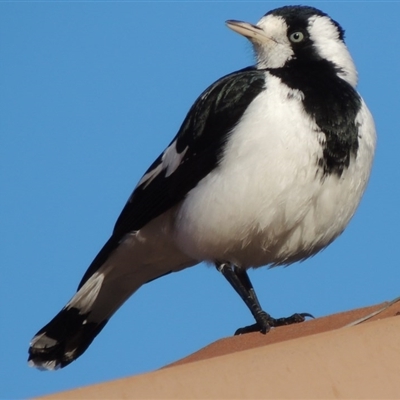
(267, 202)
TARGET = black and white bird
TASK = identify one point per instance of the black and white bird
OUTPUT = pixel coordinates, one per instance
(267, 168)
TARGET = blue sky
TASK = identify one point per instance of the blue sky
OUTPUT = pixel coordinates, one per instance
(90, 94)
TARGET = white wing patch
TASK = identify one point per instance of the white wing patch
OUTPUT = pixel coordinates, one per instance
(170, 161)
(150, 175)
(87, 294)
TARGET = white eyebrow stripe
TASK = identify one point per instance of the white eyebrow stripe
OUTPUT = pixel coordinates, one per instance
(170, 161)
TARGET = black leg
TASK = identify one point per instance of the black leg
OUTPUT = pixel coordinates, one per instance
(245, 280)
(240, 281)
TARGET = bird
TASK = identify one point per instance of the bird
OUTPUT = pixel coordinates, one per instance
(267, 169)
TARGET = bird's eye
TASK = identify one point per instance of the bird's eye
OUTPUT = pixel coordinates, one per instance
(296, 37)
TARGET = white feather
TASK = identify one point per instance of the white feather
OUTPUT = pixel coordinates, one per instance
(40, 344)
(325, 36)
(170, 161)
(87, 294)
(273, 53)
(265, 204)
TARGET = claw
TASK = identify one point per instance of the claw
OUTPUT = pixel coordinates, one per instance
(267, 322)
(262, 325)
(293, 319)
(253, 328)
(306, 314)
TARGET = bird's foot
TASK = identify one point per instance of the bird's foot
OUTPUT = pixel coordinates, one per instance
(265, 322)
(293, 319)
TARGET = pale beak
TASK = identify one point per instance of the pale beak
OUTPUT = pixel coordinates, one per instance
(250, 31)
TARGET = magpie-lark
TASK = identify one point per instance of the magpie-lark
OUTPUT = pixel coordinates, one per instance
(267, 168)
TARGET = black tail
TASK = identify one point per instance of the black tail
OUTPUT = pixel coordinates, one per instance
(63, 339)
(116, 273)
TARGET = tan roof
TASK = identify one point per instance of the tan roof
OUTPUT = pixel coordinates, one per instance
(321, 358)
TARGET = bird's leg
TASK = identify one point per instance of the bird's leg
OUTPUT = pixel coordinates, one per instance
(240, 281)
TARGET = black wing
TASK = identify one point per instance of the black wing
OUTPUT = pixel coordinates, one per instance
(203, 133)
(201, 137)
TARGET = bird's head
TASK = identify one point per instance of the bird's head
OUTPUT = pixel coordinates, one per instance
(298, 33)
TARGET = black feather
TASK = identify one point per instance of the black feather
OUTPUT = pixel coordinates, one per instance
(204, 132)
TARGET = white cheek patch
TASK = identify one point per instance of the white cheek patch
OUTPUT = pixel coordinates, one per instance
(170, 161)
(325, 36)
(276, 52)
